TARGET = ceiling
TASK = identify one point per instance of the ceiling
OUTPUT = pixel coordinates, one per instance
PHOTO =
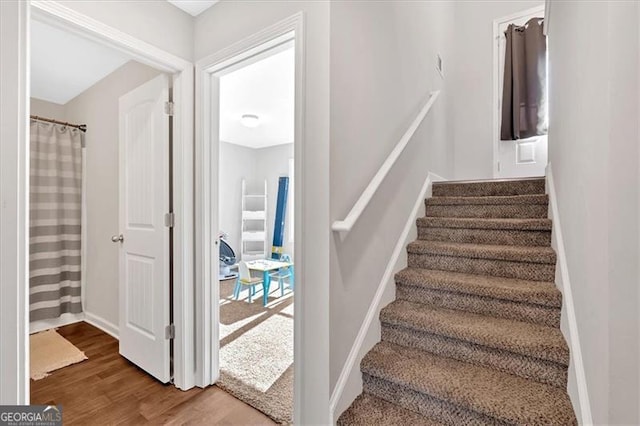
(193, 7)
(63, 64)
(266, 89)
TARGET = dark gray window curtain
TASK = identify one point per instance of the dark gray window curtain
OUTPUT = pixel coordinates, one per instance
(524, 95)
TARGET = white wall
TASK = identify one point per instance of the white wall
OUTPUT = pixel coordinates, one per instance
(255, 165)
(220, 27)
(383, 59)
(157, 22)
(236, 163)
(97, 107)
(471, 72)
(593, 148)
(47, 109)
(624, 216)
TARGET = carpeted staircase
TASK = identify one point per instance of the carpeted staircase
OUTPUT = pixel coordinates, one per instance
(474, 335)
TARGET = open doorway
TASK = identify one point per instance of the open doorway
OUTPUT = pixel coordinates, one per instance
(99, 247)
(137, 146)
(209, 72)
(256, 222)
(516, 156)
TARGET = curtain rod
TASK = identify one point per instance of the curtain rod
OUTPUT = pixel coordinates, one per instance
(81, 127)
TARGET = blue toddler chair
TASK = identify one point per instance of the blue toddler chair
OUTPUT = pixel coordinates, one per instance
(284, 273)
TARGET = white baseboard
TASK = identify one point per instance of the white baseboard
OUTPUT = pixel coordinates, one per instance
(61, 321)
(577, 384)
(102, 324)
(66, 319)
(349, 384)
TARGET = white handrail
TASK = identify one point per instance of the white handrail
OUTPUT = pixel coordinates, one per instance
(344, 226)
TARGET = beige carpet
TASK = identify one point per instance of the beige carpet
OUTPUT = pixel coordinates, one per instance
(473, 337)
(256, 350)
(50, 351)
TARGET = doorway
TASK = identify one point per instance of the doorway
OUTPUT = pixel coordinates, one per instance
(256, 262)
(265, 44)
(143, 76)
(513, 158)
(99, 191)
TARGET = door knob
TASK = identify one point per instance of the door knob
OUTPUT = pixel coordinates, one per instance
(117, 238)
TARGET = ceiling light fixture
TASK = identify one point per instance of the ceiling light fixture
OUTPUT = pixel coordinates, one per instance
(250, 120)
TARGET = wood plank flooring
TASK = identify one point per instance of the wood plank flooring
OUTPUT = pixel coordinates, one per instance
(108, 389)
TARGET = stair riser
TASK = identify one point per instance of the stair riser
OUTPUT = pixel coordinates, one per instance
(486, 236)
(497, 268)
(536, 314)
(528, 367)
(428, 406)
(524, 187)
(497, 211)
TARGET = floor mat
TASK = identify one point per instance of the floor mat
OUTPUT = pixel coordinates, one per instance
(49, 351)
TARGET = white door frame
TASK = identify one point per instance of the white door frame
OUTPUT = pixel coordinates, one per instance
(207, 220)
(496, 77)
(14, 207)
(59, 15)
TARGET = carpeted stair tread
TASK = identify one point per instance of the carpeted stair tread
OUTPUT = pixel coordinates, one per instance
(369, 410)
(501, 308)
(504, 397)
(511, 237)
(540, 370)
(483, 266)
(490, 187)
(509, 224)
(488, 210)
(535, 292)
(529, 254)
(495, 200)
(518, 337)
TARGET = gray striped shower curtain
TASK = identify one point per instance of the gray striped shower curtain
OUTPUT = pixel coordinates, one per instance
(55, 216)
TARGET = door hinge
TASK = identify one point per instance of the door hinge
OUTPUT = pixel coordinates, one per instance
(168, 108)
(169, 220)
(170, 332)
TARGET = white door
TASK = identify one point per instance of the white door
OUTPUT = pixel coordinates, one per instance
(524, 157)
(144, 251)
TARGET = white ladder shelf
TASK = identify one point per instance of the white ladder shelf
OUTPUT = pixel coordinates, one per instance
(254, 224)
